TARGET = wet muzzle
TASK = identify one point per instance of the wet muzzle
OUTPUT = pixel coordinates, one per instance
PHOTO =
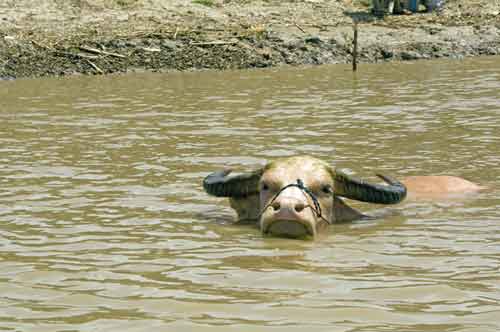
(299, 184)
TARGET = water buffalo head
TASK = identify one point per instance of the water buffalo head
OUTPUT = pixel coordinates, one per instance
(297, 196)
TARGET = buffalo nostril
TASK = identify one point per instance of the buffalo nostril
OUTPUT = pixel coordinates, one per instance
(276, 206)
(299, 207)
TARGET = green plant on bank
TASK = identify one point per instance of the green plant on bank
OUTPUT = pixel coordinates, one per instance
(208, 3)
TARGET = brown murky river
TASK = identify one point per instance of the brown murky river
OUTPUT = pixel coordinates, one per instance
(104, 225)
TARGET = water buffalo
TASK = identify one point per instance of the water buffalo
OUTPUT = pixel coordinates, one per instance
(298, 196)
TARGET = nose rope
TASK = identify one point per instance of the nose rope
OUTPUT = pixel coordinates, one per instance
(301, 186)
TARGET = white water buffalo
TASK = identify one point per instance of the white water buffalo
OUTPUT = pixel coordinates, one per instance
(298, 196)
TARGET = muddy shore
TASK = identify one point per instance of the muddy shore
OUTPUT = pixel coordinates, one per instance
(58, 37)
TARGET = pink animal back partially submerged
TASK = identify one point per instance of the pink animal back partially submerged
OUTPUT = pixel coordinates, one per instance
(439, 186)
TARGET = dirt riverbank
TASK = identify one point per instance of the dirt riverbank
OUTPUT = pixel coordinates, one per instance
(61, 37)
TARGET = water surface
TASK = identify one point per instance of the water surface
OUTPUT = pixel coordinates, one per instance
(104, 225)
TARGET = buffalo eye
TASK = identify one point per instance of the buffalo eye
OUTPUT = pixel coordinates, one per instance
(264, 186)
(327, 189)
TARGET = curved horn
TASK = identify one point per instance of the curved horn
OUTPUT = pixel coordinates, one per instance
(360, 190)
(243, 185)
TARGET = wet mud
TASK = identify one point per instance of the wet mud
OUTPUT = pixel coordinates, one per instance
(55, 37)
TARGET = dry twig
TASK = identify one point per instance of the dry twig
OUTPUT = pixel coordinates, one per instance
(299, 27)
(214, 43)
(34, 42)
(93, 65)
(96, 51)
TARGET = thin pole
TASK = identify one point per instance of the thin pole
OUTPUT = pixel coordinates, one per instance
(355, 47)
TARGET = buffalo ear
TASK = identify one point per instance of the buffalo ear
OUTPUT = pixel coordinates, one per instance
(247, 208)
(219, 184)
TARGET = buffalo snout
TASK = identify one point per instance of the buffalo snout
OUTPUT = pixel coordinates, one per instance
(289, 215)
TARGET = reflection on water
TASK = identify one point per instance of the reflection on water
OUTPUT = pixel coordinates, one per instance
(104, 224)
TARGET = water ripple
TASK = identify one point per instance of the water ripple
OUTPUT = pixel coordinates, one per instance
(104, 224)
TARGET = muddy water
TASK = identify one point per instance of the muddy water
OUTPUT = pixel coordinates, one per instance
(104, 225)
